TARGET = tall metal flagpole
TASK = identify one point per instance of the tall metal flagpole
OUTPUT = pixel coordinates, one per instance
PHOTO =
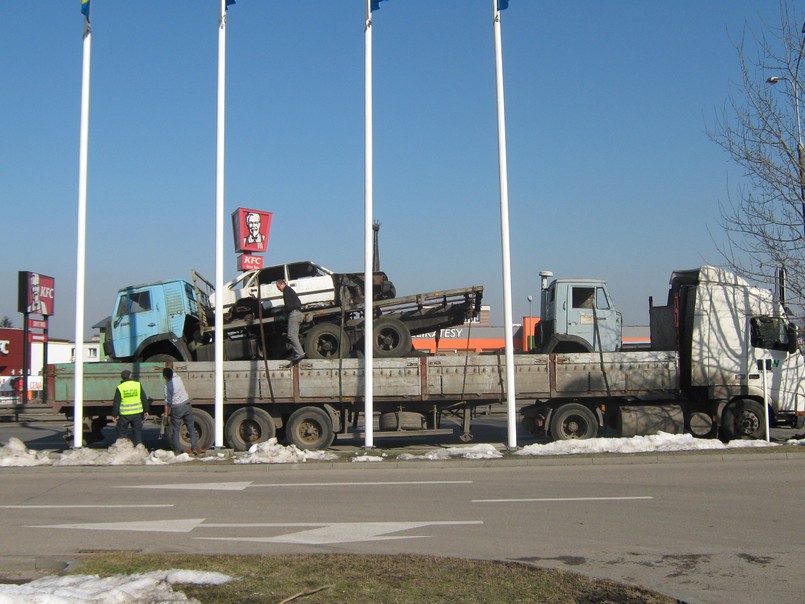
(80, 278)
(504, 228)
(368, 352)
(219, 230)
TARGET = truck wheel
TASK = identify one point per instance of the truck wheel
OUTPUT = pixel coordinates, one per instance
(391, 338)
(205, 431)
(248, 426)
(325, 341)
(310, 428)
(161, 358)
(573, 421)
(743, 419)
(401, 420)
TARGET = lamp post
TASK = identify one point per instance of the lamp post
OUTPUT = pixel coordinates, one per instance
(795, 88)
(530, 299)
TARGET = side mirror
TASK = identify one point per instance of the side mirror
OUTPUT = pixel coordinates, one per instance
(793, 338)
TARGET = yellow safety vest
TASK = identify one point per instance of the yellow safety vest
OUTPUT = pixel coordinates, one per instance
(130, 397)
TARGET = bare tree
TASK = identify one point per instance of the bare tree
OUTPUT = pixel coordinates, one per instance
(760, 129)
(6, 322)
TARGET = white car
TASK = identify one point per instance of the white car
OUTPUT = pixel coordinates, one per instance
(316, 286)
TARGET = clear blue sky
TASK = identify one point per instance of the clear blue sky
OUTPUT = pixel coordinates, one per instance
(611, 173)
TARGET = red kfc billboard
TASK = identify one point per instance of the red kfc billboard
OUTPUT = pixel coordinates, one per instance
(251, 228)
(37, 294)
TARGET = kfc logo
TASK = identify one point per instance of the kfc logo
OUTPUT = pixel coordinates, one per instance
(37, 293)
(251, 228)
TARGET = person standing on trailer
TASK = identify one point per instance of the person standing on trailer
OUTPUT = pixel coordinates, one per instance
(293, 308)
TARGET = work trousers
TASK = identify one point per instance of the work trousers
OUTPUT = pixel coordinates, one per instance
(183, 414)
(294, 322)
(134, 420)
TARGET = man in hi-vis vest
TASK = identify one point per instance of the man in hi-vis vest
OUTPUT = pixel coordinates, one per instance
(130, 407)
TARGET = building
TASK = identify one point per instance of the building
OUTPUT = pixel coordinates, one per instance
(11, 361)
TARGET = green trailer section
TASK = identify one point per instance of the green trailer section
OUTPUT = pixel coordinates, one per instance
(100, 381)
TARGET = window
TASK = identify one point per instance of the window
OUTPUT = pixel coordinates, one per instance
(583, 297)
(769, 333)
(271, 274)
(601, 300)
(134, 302)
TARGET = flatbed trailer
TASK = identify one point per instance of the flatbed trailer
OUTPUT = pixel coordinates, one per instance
(315, 401)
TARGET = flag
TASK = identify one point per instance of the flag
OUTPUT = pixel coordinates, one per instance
(503, 4)
(376, 4)
(85, 9)
(229, 3)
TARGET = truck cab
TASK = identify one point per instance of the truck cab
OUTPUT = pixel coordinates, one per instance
(578, 315)
(152, 322)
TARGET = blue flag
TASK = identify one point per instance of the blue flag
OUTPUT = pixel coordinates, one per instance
(376, 4)
(503, 4)
(85, 9)
(229, 3)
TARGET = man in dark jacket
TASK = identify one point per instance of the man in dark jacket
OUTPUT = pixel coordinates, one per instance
(293, 308)
(130, 407)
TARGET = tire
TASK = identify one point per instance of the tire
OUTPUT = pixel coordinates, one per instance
(391, 338)
(248, 426)
(573, 421)
(401, 420)
(161, 358)
(205, 431)
(310, 428)
(743, 419)
(326, 341)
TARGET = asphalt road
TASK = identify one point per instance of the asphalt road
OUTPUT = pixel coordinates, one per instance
(705, 527)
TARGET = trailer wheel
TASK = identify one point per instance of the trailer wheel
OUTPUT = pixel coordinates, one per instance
(205, 431)
(573, 421)
(326, 341)
(401, 420)
(743, 419)
(248, 426)
(391, 338)
(310, 428)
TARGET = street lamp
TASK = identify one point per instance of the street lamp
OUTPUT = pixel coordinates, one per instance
(530, 299)
(773, 80)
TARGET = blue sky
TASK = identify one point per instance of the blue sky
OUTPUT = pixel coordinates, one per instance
(611, 172)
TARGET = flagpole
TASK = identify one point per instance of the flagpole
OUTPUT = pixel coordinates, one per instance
(368, 294)
(78, 381)
(504, 232)
(219, 231)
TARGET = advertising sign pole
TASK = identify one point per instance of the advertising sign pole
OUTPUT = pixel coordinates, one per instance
(26, 359)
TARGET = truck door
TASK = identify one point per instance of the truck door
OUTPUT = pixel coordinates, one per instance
(136, 319)
(588, 303)
(769, 351)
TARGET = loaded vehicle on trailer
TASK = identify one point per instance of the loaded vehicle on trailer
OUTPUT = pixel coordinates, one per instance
(723, 355)
(173, 320)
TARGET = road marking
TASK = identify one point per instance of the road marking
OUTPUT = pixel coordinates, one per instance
(362, 484)
(200, 486)
(315, 533)
(242, 486)
(58, 507)
(157, 526)
(551, 499)
(345, 532)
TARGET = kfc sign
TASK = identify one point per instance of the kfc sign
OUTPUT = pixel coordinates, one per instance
(251, 228)
(37, 294)
(247, 262)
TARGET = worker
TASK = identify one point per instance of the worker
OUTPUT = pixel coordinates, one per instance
(293, 308)
(179, 407)
(130, 408)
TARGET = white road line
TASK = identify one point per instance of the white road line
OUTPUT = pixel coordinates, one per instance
(552, 499)
(59, 507)
(362, 484)
(198, 486)
(241, 486)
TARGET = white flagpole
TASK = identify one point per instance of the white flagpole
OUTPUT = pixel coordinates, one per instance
(80, 278)
(367, 243)
(504, 232)
(219, 231)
